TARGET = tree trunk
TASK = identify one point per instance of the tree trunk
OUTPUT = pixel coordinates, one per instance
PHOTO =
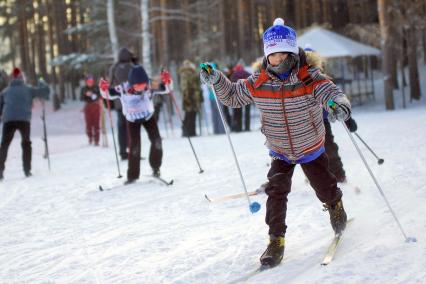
(112, 29)
(53, 78)
(23, 41)
(59, 15)
(413, 73)
(241, 28)
(146, 43)
(164, 55)
(387, 52)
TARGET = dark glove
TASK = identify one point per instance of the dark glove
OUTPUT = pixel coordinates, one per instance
(351, 124)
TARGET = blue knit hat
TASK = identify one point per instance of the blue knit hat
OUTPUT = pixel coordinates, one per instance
(137, 75)
(279, 38)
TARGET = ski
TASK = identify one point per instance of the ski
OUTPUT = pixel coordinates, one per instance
(103, 188)
(332, 248)
(258, 270)
(164, 181)
(44, 138)
(260, 190)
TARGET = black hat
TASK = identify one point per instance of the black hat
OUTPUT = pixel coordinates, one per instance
(137, 75)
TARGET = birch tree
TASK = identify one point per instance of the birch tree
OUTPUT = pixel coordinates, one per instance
(146, 55)
(112, 29)
(386, 43)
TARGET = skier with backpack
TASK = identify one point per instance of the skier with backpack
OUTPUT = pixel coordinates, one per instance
(290, 95)
(136, 100)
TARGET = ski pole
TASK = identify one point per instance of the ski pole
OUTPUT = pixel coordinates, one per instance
(203, 110)
(379, 160)
(189, 139)
(113, 134)
(103, 129)
(46, 146)
(334, 105)
(254, 206)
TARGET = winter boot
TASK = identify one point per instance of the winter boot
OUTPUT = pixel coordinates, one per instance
(274, 252)
(338, 216)
(156, 172)
(28, 173)
(341, 179)
(1, 175)
(129, 181)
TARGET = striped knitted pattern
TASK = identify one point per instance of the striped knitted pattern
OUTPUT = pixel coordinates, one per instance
(293, 125)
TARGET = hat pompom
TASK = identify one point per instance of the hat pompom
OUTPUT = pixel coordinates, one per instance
(16, 72)
(279, 22)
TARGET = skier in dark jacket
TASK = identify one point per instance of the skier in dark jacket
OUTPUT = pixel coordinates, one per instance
(118, 75)
(237, 117)
(15, 112)
(136, 99)
(331, 148)
(92, 110)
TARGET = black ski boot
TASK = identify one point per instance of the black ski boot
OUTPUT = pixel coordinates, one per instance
(156, 172)
(129, 181)
(28, 173)
(274, 252)
(338, 216)
(1, 176)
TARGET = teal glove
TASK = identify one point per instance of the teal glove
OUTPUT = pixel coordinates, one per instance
(208, 75)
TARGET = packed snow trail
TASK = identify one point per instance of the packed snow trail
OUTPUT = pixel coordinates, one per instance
(57, 227)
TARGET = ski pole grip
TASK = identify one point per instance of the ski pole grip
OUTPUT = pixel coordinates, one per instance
(206, 67)
(332, 104)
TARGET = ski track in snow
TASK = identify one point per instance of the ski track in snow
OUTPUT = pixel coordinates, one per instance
(58, 227)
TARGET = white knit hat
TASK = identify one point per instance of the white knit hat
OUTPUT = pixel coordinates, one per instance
(279, 38)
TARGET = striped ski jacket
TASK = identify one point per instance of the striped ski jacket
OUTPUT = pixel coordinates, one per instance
(291, 110)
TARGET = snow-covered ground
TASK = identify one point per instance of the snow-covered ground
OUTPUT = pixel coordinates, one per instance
(57, 227)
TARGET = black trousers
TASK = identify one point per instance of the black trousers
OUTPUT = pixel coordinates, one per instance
(155, 152)
(188, 127)
(9, 129)
(237, 119)
(280, 174)
(332, 151)
(247, 118)
(122, 134)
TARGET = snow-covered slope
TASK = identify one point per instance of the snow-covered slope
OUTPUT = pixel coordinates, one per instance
(56, 227)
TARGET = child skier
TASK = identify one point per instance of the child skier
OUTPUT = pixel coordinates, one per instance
(289, 94)
(135, 96)
(92, 109)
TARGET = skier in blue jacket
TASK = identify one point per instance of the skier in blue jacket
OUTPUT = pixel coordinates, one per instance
(15, 112)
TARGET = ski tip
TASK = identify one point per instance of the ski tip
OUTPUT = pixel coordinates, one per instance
(208, 199)
(410, 240)
(171, 182)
